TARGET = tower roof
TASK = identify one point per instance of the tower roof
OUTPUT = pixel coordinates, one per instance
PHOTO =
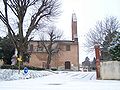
(74, 18)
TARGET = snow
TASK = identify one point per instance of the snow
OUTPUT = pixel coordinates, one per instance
(7, 75)
(60, 80)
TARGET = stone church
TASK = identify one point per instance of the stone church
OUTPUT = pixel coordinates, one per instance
(66, 59)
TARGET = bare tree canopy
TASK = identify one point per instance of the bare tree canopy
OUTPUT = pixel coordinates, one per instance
(26, 15)
(103, 32)
(51, 43)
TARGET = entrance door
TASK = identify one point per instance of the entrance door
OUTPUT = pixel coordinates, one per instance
(67, 65)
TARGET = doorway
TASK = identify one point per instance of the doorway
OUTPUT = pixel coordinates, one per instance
(67, 65)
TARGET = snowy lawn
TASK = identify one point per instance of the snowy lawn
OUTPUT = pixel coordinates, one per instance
(8, 74)
(61, 80)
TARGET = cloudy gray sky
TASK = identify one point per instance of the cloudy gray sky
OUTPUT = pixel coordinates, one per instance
(88, 12)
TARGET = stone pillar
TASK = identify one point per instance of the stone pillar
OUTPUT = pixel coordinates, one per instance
(97, 54)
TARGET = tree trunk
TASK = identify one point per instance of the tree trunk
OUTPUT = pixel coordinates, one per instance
(48, 61)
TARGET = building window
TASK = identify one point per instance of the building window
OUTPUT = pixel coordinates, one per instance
(31, 47)
(67, 47)
(40, 49)
(43, 64)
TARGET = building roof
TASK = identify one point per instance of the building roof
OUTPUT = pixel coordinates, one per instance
(59, 41)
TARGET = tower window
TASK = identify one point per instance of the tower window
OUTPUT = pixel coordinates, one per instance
(67, 47)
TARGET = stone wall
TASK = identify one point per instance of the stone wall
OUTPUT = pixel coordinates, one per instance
(110, 70)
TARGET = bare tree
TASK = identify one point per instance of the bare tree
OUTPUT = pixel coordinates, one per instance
(36, 11)
(51, 45)
(103, 32)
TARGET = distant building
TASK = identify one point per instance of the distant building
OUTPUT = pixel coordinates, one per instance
(93, 64)
(66, 58)
(88, 65)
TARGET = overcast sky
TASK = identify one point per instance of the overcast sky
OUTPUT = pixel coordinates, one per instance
(88, 12)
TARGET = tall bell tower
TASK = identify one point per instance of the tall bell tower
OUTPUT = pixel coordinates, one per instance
(75, 36)
(74, 27)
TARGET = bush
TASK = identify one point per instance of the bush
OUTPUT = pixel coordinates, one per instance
(9, 67)
(54, 69)
(34, 68)
(22, 67)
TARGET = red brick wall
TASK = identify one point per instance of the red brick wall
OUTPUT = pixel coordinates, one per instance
(58, 60)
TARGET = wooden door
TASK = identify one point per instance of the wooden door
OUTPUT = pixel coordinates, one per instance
(67, 65)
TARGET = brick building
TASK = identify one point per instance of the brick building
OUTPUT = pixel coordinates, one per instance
(66, 58)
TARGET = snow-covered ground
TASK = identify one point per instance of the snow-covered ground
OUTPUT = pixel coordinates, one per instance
(8, 74)
(59, 80)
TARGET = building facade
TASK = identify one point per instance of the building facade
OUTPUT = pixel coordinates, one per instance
(66, 58)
